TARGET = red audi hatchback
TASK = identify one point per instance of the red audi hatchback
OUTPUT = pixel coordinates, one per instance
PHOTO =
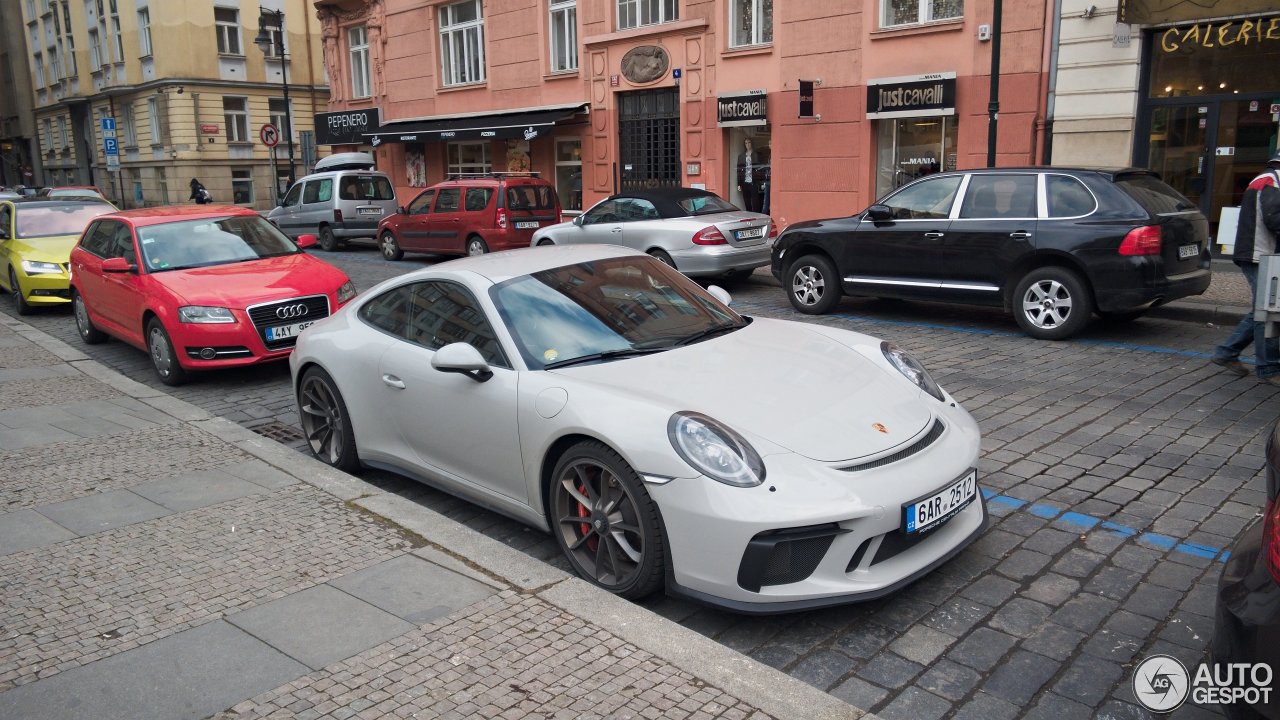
(199, 287)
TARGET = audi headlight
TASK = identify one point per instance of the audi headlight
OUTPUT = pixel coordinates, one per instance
(715, 450)
(204, 314)
(36, 267)
(347, 291)
(911, 369)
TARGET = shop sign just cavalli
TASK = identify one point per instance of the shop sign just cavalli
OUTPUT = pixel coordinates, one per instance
(912, 96)
(749, 107)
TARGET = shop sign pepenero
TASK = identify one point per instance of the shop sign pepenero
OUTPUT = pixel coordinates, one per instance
(347, 127)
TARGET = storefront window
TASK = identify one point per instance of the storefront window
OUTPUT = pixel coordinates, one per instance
(750, 173)
(910, 148)
(1215, 58)
(569, 173)
(471, 158)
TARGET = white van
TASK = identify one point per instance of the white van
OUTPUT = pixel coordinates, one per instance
(343, 200)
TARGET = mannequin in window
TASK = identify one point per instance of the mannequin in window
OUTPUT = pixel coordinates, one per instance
(752, 172)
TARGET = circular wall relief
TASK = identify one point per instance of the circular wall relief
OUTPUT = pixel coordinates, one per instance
(645, 64)
(597, 64)
(693, 51)
(693, 82)
(694, 112)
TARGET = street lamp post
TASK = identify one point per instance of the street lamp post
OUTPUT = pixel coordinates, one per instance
(265, 43)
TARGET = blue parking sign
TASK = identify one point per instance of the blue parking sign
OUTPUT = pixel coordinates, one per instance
(110, 146)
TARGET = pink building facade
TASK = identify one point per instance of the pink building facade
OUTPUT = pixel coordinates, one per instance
(606, 95)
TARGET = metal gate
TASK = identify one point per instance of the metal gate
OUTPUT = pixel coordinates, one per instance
(649, 134)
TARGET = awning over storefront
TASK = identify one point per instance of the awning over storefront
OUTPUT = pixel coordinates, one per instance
(527, 123)
(1151, 12)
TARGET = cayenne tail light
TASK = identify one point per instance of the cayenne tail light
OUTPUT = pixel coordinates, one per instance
(1145, 240)
(1271, 538)
(337, 215)
(709, 236)
(500, 220)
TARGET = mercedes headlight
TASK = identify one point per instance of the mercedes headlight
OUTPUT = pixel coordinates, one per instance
(911, 369)
(36, 267)
(346, 292)
(203, 314)
(715, 450)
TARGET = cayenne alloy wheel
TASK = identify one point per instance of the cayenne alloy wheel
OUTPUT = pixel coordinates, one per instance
(1051, 303)
(605, 522)
(325, 420)
(814, 285)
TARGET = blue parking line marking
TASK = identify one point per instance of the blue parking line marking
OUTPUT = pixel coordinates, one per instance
(1078, 520)
(1203, 551)
(1158, 541)
(1119, 529)
(1048, 512)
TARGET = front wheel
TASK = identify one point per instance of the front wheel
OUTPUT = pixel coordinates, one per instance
(663, 257)
(326, 421)
(163, 358)
(814, 286)
(19, 301)
(88, 333)
(390, 248)
(1052, 303)
(328, 242)
(476, 246)
(606, 523)
(544, 242)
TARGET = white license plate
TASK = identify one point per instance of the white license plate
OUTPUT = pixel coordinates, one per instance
(369, 211)
(933, 510)
(751, 233)
(287, 331)
(1187, 251)
(527, 224)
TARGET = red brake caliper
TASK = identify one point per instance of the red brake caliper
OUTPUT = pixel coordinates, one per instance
(584, 528)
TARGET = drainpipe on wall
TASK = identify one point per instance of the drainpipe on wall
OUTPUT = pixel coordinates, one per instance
(195, 110)
(1054, 39)
(993, 104)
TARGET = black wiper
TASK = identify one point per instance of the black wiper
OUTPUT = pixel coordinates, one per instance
(606, 355)
(710, 332)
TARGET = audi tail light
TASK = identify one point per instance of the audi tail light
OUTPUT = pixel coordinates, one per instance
(709, 236)
(500, 220)
(1145, 240)
(337, 215)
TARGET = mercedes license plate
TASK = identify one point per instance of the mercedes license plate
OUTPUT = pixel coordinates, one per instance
(751, 233)
(1188, 251)
(369, 211)
(932, 510)
(527, 224)
(281, 332)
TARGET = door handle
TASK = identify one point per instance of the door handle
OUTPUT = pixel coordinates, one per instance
(1021, 235)
(616, 230)
(934, 235)
(393, 381)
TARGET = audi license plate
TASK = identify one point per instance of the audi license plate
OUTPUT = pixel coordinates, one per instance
(522, 224)
(932, 510)
(1188, 251)
(281, 332)
(369, 211)
(751, 233)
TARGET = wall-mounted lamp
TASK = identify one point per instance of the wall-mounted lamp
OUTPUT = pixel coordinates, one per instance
(1089, 11)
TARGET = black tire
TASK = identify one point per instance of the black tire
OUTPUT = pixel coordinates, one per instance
(1052, 303)
(15, 291)
(328, 242)
(476, 246)
(1122, 317)
(390, 248)
(88, 333)
(326, 423)
(164, 360)
(812, 285)
(663, 257)
(619, 522)
(544, 242)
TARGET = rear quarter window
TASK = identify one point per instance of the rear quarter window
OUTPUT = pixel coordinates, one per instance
(1154, 195)
(1068, 197)
(531, 197)
(477, 199)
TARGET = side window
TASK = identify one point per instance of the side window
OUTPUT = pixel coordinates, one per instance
(607, 211)
(123, 243)
(1068, 197)
(389, 311)
(478, 198)
(421, 205)
(318, 191)
(447, 200)
(445, 313)
(6, 215)
(925, 200)
(1001, 197)
(98, 239)
(325, 192)
(632, 209)
(294, 194)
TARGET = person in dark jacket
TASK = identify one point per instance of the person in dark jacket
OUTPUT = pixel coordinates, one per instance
(199, 194)
(1256, 235)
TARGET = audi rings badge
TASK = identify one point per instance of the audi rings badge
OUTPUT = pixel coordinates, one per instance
(288, 312)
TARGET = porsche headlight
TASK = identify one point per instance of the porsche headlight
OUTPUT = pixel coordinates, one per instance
(347, 291)
(715, 450)
(36, 267)
(911, 369)
(205, 315)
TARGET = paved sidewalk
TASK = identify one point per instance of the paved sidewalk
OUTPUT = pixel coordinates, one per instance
(158, 562)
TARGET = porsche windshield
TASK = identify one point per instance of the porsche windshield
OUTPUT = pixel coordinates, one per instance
(211, 241)
(607, 309)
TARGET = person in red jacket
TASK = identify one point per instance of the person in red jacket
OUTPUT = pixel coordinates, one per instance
(1256, 235)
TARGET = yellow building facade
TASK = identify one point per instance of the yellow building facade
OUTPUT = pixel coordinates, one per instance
(186, 88)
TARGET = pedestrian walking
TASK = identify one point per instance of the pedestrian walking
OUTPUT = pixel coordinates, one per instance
(1256, 235)
(199, 193)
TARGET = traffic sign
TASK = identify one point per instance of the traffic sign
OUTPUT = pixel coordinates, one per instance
(270, 135)
(108, 123)
(110, 146)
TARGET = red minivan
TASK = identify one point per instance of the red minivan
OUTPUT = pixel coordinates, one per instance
(471, 215)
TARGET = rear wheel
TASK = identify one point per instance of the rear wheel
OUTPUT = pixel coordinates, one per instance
(544, 242)
(389, 247)
(328, 242)
(163, 358)
(325, 420)
(1051, 303)
(813, 287)
(88, 333)
(19, 302)
(663, 257)
(476, 246)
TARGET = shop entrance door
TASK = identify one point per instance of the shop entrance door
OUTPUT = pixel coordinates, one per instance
(1178, 148)
(649, 139)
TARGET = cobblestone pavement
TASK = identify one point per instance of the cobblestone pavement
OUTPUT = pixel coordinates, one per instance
(1119, 466)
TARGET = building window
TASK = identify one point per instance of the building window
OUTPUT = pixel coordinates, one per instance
(144, 32)
(153, 112)
(751, 22)
(128, 131)
(564, 35)
(270, 23)
(276, 107)
(47, 125)
(162, 179)
(31, 9)
(634, 13)
(910, 12)
(72, 68)
(235, 110)
(462, 43)
(227, 23)
(569, 173)
(358, 42)
(38, 65)
(468, 158)
(55, 67)
(118, 36)
(62, 132)
(95, 51)
(242, 186)
(135, 179)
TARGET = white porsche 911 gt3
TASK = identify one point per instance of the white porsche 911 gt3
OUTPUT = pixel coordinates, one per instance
(662, 438)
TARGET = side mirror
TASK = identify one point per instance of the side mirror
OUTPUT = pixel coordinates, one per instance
(464, 359)
(280, 202)
(578, 220)
(117, 265)
(306, 241)
(720, 294)
(402, 211)
(879, 213)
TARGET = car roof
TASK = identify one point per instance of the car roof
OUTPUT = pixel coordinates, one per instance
(30, 201)
(177, 213)
(492, 179)
(666, 194)
(500, 266)
(1111, 172)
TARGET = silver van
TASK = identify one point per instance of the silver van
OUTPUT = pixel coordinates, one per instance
(342, 200)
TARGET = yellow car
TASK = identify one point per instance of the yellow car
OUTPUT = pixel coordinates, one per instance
(36, 237)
